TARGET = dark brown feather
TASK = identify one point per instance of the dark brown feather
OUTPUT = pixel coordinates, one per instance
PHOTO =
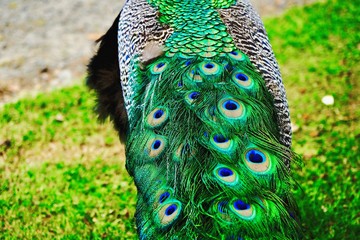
(104, 78)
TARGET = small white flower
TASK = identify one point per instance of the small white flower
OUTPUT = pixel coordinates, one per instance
(328, 100)
(294, 127)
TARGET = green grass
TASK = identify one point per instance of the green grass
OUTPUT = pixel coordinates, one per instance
(318, 48)
(63, 175)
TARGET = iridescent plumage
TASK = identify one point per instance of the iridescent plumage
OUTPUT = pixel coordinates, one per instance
(208, 131)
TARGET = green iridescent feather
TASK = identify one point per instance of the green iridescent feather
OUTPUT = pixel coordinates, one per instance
(203, 144)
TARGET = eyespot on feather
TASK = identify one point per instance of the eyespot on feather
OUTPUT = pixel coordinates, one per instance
(231, 108)
(210, 68)
(222, 143)
(162, 195)
(243, 210)
(236, 55)
(157, 117)
(257, 161)
(156, 146)
(242, 80)
(191, 96)
(226, 175)
(168, 213)
(158, 67)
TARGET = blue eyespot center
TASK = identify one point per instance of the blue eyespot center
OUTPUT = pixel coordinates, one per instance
(156, 144)
(234, 53)
(163, 197)
(158, 114)
(220, 139)
(240, 205)
(159, 65)
(241, 77)
(225, 172)
(194, 95)
(180, 84)
(209, 65)
(187, 63)
(255, 156)
(170, 209)
(231, 105)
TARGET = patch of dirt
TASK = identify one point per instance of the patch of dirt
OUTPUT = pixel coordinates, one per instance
(46, 44)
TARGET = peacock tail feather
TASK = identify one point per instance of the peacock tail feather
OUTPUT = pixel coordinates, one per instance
(208, 140)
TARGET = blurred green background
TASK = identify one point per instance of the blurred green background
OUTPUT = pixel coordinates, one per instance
(63, 175)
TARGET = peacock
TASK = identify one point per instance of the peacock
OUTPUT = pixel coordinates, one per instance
(195, 92)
